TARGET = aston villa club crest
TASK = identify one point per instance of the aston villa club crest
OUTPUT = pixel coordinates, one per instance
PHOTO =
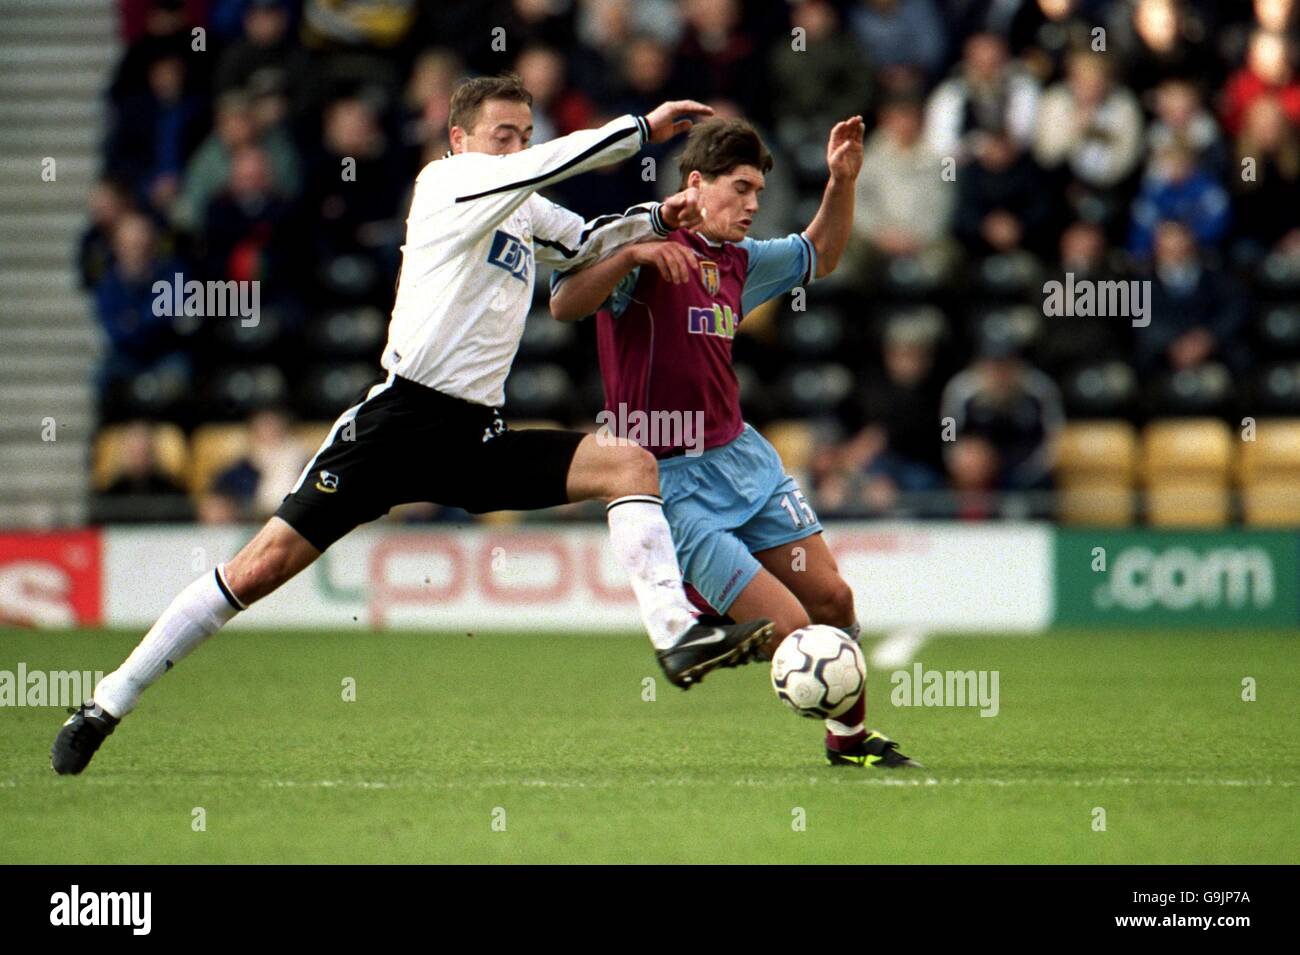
(709, 276)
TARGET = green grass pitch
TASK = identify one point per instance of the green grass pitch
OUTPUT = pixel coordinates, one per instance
(550, 735)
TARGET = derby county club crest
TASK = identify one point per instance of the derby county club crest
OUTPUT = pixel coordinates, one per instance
(709, 276)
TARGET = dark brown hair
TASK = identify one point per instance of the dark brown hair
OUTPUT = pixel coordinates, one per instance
(717, 146)
(470, 96)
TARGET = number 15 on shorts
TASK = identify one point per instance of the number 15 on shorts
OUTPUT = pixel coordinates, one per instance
(800, 513)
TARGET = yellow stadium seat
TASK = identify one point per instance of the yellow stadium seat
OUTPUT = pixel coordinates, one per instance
(1186, 466)
(214, 447)
(1096, 501)
(171, 453)
(1274, 451)
(1188, 502)
(1272, 502)
(1195, 446)
(794, 441)
(1096, 449)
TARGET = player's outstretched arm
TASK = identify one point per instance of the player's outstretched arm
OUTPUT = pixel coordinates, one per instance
(830, 228)
(579, 294)
(579, 289)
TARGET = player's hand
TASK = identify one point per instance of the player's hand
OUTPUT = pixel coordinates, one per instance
(673, 261)
(844, 150)
(666, 119)
(685, 210)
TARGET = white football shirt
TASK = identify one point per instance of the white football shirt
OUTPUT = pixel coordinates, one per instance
(474, 235)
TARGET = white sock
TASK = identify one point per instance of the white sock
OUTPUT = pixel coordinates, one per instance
(197, 612)
(643, 545)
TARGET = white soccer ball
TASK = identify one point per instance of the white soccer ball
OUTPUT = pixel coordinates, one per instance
(819, 672)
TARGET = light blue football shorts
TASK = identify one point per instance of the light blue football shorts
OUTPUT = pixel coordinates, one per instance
(726, 504)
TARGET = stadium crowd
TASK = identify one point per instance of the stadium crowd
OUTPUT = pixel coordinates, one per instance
(1010, 143)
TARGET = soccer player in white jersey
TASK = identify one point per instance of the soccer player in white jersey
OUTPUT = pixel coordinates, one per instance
(432, 429)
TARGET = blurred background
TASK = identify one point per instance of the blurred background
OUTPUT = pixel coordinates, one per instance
(1009, 142)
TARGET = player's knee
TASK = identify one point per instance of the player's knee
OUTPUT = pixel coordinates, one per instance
(635, 471)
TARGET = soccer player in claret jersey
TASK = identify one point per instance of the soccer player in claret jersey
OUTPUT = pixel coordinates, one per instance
(432, 429)
(668, 312)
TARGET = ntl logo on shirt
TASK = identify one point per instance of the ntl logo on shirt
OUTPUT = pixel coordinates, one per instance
(511, 254)
(716, 320)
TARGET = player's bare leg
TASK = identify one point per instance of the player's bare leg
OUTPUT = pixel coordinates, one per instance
(271, 558)
(626, 477)
(799, 584)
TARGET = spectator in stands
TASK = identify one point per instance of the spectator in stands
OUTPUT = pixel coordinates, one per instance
(1006, 416)
(267, 52)
(1268, 72)
(895, 415)
(718, 59)
(1091, 126)
(155, 132)
(989, 96)
(904, 204)
(1197, 312)
(208, 173)
(1266, 188)
(139, 339)
(558, 109)
(819, 85)
(110, 201)
(904, 39)
(354, 186)
(140, 492)
(1003, 202)
(1043, 33)
(154, 28)
(1159, 39)
(1181, 117)
(1178, 189)
(259, 481)
(426, 105)
(249, 233)
(1070, 341)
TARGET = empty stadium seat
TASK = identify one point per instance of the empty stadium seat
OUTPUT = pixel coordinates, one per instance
(1277, 389)
(326, 390)
(816, 333)
(171, 453)
(1186, 466)
(1106, 389)
(542, 390)
(1207, 389)
(1279, 331)
(237, 390)
(348, 333)
(815, 389)
(1096, 463)
(1268, 470)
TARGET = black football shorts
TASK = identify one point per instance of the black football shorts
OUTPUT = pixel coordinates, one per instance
(403, 442)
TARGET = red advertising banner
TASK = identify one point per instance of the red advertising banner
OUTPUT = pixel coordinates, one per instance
(51, 580)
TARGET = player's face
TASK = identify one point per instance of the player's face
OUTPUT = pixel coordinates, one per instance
(730, 202)
(502, 127)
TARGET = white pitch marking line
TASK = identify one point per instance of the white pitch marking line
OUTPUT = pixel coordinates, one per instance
(898, 648)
